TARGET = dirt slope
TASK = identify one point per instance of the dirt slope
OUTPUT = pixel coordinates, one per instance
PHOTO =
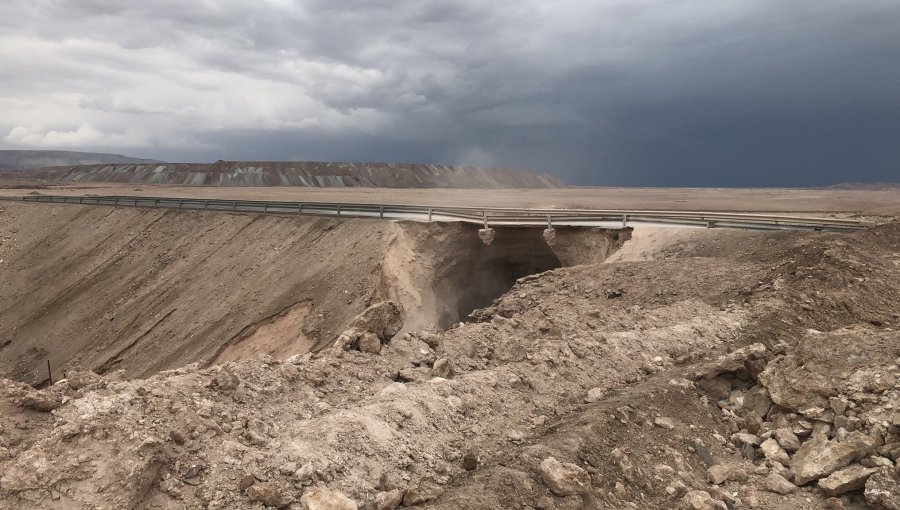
(302, 173)
(635, 384)
(148, 290)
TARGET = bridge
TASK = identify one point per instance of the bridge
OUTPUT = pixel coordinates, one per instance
(484, 217)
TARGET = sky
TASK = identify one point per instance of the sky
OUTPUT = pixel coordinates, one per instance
(602, 92)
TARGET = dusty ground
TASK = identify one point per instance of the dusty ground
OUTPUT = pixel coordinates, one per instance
(697, 370)
(883, 202)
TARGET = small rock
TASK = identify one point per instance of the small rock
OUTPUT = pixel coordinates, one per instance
(564, 479)
(269, 494)
(883, 490)
(787, 439)
(594, 395)
(779, 484)
(441, 368)
(721, 473)
(847, 479)
(369, 342)
(773, 451)
(320, 498)
(246, 482)
(388, 500)
(664, 422)
(745, 438)
(701, 500)
(470, 461)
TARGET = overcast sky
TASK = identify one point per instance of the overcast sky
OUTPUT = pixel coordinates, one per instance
(636, 92)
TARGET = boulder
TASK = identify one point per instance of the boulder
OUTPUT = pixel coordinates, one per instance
(442, 368)
(721, 473)
(321, 498)
(847, 479)
(564, 479)
(757, 401)
(883, 490)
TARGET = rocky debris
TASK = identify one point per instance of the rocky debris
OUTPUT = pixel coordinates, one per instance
(41, 400)
(779, 484)
(701, 500)
(270, 494)
(563, 478)
(614, 293)
(883, 490)
(819, 457)
(321, 498)
(80, 378)
(550, 236)
(384, 319)
(732, 362)
(426, 490)
(847, 479)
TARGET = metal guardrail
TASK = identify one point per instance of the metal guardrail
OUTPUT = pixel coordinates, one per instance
(484, 216)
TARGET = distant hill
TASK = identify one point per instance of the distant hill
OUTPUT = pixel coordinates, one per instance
(23, 160)
(865, 185)
(301, 173)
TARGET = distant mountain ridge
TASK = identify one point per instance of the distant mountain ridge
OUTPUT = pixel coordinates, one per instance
(12, 160)
(301, 173)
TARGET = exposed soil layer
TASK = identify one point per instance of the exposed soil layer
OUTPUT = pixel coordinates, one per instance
(301, 173)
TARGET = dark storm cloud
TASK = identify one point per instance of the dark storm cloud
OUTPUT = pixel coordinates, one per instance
(689, 92)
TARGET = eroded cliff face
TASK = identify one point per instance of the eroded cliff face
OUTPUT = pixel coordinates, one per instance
(302, 173)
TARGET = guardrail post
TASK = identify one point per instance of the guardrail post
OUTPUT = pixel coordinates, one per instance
(381, 212)
(116, 203)
(339, 210)
(234, 205)
(180, 203)
(205, 204)
(300, 208)
(80, 200)
(429, 215)
(624, 220)
(484, 216)
(709, 224)
(266, 208)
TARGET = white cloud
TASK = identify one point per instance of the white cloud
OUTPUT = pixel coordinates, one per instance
(85, 135)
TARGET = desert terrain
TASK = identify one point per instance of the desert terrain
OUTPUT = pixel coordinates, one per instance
(189, 359)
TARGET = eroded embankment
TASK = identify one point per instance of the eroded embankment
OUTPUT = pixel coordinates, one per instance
(147, 290)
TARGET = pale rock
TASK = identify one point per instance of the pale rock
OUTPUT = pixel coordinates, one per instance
(787, 439)
(773, 451)
(778, 484)
(594, 395)
(883, 490)
(818, 457)
(321, 498)
(664, 422)
(563, 478)
(701, 500)
(388, 500)
(847, 479)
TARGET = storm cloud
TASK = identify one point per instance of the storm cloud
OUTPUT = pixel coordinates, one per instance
(607, 92)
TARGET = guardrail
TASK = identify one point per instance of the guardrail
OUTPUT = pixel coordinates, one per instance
(484, 216)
